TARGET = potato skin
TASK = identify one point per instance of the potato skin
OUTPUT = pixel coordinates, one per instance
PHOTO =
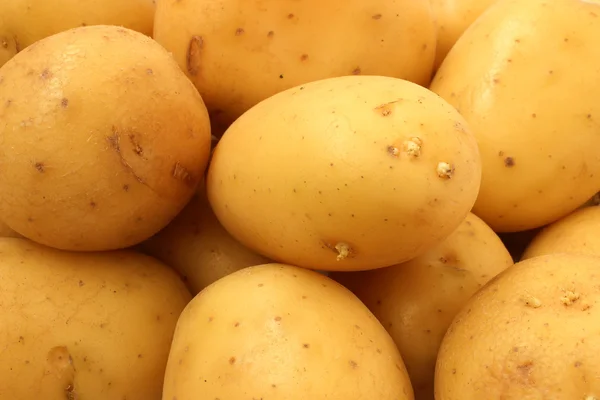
(417, 300)
(530, 96)
(453, 18)
(220, 43)
(94, 326)
(282, 333)
(342, 173)
(578, 232)
(23, 22)
(198, 247)
(100, 149)
(530, 333)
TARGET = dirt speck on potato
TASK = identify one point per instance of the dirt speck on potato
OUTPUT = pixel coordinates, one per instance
(393, 151)
(509, 162)
(194, 53)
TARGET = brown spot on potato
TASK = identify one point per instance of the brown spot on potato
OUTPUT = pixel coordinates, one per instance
(137, 149)
(376, 16)
(232, 360)
(17, 44)
(304, 57)
(236, 324)
(64, 103)
(356, 71)
(290, 16)
(270, 34)
(8, 103)
(40, 167)
(114, 142)
(149, 71)
(126, 188)
(70, 392)
(4, 42)
(306, 345)
(93, 204)
(239, 31)
(353, 364)
(194, 54)
(509, 162)
(46, 74)
(393, 151)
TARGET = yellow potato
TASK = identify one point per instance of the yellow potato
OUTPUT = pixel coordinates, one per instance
(94, 326)
(416, 301)
(346, 173)
(282, 333)
(531, 333)
(24, 22)
(453, 17)
(578, 232)
(103, 139)
(239, 52)
(526, 78)
(198, 246)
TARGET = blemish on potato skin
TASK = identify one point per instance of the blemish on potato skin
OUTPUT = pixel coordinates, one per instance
(356, 71)
(181, 173)
(353, 364)
(413, 147)
(64, 103)
(376, 16)
(445, 170)
(17, 44)
(126, 188)
(304, 57)
(93, 204)
(570, 298)
(509, 162)
(40, 167)
(270, 34)
(232, 360)
(531, 301)
(193, 54)
(239, 31)
(46, 74)
(393, 151)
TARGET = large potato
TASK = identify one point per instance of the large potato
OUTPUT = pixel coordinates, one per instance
(453, 17)
(282, 333)
(526, 78)
(346, 173)
(23, 22)
(103, 139)
(416, 301)
(239, 52)
(531, 333)
(198, 246)
(94, 326)
(578, 232)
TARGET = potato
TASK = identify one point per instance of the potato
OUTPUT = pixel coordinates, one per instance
(346, 173)
(95, 326)
(100, 149)
(281, 332)
(241, 52)
(531, 333)
(578, 232)
(198, 246)
(525, 77)
(453, 17)
(24, 22)
(416, 301)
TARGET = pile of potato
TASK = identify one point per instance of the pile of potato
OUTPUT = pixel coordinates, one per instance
(342, 200)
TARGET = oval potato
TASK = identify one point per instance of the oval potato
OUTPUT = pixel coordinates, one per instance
(416, 301)
(346, 173)
(24, 22)
(281, 332)
(530, 333)
(95, 326)
(198, 247)
(221, 43)
(525, 77)
(578, 232)
(453, 18)
(100, 149)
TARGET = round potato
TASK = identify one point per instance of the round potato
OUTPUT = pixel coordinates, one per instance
(198, 246)
(530, 333)
(578, 232)
(24, 22)
(95, 326)
(416, 301)
(222, 43)
(280, 332)
(530, 93)
(346, 173)
(453, 17)
(100, 149)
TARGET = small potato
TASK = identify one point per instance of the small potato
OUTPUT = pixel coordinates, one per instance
(239, 52)
(578, 232)
(24, 22)
(279, 332)
(416, 301)
(198, 246)
(94, 326)
(347, 173)
(104, 139)
(453, 17)
(525, 76)
(530, 333)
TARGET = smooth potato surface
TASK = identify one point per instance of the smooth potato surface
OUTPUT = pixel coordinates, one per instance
(100, 149)
(416, 301)
(530, 333)
(24, 22)
(239, 52)
(282, 333)
(94, 326)
(345, 173)
(525, 78)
